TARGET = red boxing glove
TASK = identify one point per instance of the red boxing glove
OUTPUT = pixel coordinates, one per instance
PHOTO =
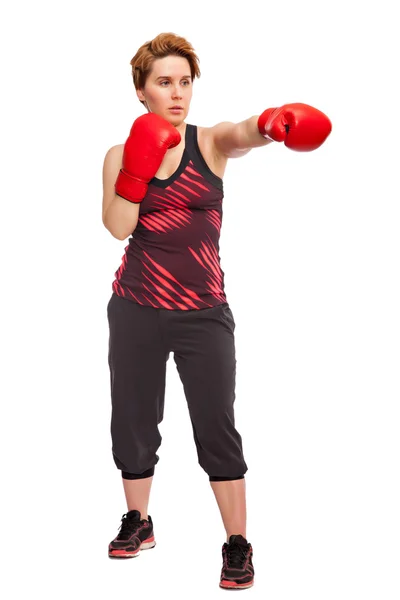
(301, 127)
(149, 139)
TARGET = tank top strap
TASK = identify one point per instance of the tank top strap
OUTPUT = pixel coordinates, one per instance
(193, 151)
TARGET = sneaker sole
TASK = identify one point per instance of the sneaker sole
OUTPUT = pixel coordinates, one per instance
(234, 586)
(123, 554)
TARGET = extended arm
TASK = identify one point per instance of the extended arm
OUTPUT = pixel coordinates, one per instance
(236, 139)
(301, 127)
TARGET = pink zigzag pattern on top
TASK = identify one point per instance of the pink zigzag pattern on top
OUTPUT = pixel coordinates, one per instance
(187, 188)
(208, 259)
(200, 185)
(189, 297)
(214, 216)
(164, 221)
(118, 274)
(175, 203)
(190, 169)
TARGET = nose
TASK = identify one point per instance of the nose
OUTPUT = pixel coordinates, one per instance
(177, 92)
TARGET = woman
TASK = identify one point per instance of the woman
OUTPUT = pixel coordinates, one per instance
(164, 188)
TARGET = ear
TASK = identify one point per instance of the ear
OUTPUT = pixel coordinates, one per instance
(140, 95)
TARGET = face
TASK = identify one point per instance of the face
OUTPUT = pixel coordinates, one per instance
(169, 84)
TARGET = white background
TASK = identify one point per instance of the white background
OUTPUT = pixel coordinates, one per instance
(310, 250)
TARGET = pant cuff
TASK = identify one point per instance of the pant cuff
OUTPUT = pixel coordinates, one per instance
(217, 478)
(148, 473)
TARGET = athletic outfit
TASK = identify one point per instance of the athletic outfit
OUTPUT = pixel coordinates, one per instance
(168, 296)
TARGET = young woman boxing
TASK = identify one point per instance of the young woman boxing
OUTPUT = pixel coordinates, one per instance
(164, 189)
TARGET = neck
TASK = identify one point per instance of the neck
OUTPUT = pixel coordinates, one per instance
(181, 128)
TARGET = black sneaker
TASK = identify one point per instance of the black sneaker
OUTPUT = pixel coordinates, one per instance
(135, 534)
(237, 569)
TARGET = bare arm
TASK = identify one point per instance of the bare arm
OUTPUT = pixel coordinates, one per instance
(120, 217)
(236, 139)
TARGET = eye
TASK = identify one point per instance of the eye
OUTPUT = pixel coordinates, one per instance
(185, 81)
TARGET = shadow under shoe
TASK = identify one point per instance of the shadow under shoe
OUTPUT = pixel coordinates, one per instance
(237, 569)
(135, 534)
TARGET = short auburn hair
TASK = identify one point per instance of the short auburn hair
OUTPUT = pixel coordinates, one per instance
(165, 44)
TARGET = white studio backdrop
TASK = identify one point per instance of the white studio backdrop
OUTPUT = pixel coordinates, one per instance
(310, 251)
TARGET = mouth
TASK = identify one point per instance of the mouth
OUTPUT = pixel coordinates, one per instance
(176, 108)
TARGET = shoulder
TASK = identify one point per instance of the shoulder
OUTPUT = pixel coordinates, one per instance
(208, 140)
(113, 161)
(210, 134)
(115, 152)
(216, 161)
(222, 138)
(112, 164)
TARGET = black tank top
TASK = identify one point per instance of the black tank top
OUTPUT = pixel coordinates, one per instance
(172, 259)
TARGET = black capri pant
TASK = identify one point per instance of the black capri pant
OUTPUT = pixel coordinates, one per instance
(203, 345)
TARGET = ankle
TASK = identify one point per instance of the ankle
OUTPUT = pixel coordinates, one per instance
(143, 515)
(228, 537)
